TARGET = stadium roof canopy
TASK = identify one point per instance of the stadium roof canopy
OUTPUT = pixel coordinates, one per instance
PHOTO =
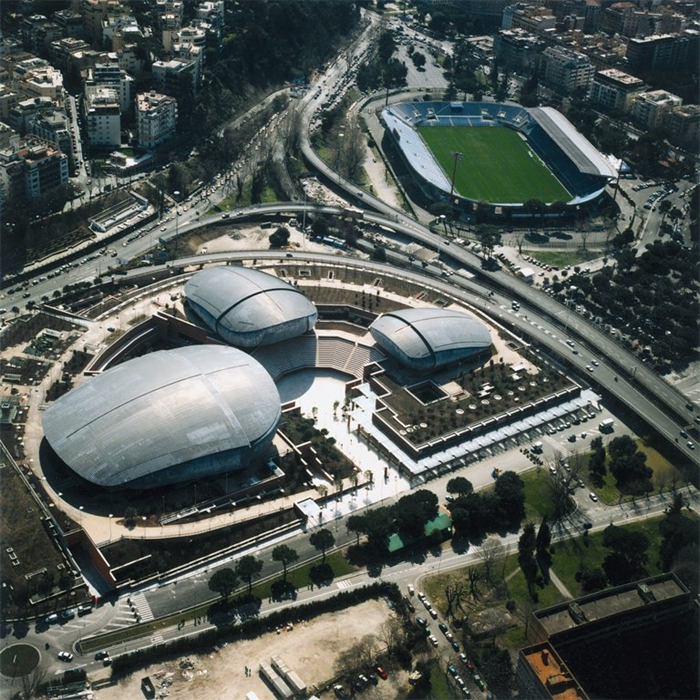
(165, 417)
(576, 146)
(415, 148)
(249, 308)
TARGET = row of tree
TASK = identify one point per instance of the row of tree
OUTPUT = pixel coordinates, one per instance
(226, 580)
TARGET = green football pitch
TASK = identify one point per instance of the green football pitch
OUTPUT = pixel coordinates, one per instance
(498, 166)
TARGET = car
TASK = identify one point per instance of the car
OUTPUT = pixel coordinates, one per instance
(455, 646)
(372, 679)
(479, 682)
(433, 640)
(421, 595)
(459, 681)
(466, 692)
(51, 619)
(65, 656)
(589, 368)
(683, 434)
(593, 497)
(84, 609)
(433, 613)
(587, 525)
(363, 679)
(584, 436)
(422, 621)
(68, 614)
(443, 627)
(449, 636)
(581, 483)
(101, 655)
(595, 363)
(411, 589)
(381, 672)
(340, 692)
(691, 445)
(452, 669)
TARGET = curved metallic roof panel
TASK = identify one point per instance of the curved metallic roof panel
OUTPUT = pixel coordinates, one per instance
(421, 333)
(248, 307)
(161, 410)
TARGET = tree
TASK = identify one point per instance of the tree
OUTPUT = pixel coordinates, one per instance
(593, 580)
(322, 540)
(510, 492)
(629, 554)
(459, 485)
(544, 537)
(677, 533)
(413, 511)
(356, 524)
(286, 555)
(248, 567)
(492, 553)
(527, 541)
(628, 465)
(224, 582)
(279, 238)
(418, 59)
(596, 464)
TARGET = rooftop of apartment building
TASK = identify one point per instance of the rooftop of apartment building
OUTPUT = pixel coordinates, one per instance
(552, 672)
(610, 602)
(620, 77)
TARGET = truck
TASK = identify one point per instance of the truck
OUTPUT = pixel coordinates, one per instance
(537, 447)
(607, 425)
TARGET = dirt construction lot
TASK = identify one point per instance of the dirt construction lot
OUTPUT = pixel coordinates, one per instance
(309, 649)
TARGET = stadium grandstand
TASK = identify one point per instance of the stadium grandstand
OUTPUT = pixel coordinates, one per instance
(426, 339)
(167, 417)
(248, 308)
(565, 164)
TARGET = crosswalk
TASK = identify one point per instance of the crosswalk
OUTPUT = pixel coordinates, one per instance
(343, 584)
(140, 604)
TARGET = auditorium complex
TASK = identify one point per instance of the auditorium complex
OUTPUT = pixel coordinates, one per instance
(444, 381)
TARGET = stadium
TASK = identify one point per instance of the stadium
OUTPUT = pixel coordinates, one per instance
(497, 156)
(166, 417)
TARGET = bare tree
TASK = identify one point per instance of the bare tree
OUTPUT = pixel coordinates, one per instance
(520, 239)
(393, 633)
(359, 656)
(352, 149)
(454, 594)
(491, 553)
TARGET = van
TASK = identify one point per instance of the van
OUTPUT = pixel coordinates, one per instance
(537, 447)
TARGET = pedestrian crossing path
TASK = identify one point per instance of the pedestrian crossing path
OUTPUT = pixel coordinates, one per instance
(157, 639)
(140, 604)
(344, 584)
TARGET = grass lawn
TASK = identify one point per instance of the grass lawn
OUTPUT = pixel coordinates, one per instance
(662, 478)
(584, 553)
(498, 165)
(561, 258)
(517, 587)
(538, 500)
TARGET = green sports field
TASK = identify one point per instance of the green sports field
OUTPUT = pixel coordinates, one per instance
(498, 165)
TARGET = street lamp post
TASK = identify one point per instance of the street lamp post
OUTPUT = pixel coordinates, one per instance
(176, 195)
(111, 515)
(457, 156)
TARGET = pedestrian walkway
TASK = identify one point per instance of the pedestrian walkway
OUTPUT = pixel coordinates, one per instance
(143, 609)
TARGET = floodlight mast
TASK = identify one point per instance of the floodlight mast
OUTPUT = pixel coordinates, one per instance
(457, 156)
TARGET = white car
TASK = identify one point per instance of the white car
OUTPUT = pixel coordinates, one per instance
(593, 497)
(65, 656)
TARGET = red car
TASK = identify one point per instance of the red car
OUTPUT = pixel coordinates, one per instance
(381, 672)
